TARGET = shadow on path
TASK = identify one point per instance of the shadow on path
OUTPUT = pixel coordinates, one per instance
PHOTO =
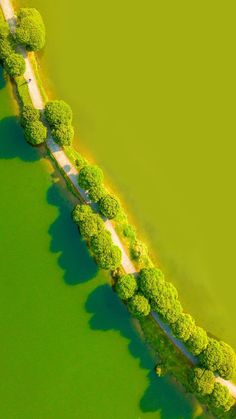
(108, 313)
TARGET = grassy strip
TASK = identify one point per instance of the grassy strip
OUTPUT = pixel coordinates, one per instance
(33, 60)
(23, 91)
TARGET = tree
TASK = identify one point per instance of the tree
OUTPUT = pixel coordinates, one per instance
(4, 30)
(90, 176)
(57, 113)
(139, 306)
(166, 303)
(201, 381)
(91, 226)
(35, 132)
(96, 192)
(30, 29)
(29, 114)
(221, 398)
(151, 282)
(81, 212)
(198, 340)
(15, 65)
(6, 48)
(102, 243)
(109, 259)
(63, 134)
(183, 327)
(126, 287)
(212, 356)
(109, 206)
(227, 368)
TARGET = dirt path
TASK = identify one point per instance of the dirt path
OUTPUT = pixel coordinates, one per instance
(72, 173)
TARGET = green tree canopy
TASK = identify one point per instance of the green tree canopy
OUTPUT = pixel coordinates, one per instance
(30, 29)
(57, 113)
(35, 133)
(14, 65)
(91, 226)
(96, 192)
(63, 134)
(81, 212)
(198, 341)
(201, 381)
(212, 356)
(29, 114)
(109, 259)
(221, 398)
(139, 306)
(90, 176)
(166, 303)
(109, 206)
(228, 365)
(102, 243)
(126, 286)
(183, 327)
(151, 282)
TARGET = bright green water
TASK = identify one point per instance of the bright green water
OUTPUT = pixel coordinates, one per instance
(68, 348)
(152, 86)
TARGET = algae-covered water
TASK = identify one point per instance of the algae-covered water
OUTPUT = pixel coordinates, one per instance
(152, 87)
(68, 347)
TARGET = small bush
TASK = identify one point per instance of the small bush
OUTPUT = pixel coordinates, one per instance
(30, 29)
(35, 132)
(29, 114)
(126, 287)
(138, 251)
(109, 206)
(90, 176)
(139, 306)
(63, 134)
(15, 65)
(129, 232)
(57, 113)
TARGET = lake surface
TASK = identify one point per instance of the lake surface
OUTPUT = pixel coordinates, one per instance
(152, 87)
(68, 347)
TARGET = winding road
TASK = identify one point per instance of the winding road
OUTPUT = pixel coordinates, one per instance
(72, 174)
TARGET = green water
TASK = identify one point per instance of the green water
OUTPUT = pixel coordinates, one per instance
(68, 347)
(152, 86)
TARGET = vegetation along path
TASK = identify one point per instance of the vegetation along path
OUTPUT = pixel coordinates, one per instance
(72, 173)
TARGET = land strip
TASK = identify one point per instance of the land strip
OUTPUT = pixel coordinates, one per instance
(72, 174)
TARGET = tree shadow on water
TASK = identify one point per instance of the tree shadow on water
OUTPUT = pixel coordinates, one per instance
(161, 395)
(12, 141)
(74, 257)
(2, 79)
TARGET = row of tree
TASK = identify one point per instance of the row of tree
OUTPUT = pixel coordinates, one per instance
(203, 383)
(29, 32)
(91, 180)
(13, 63)
(150, 291)
(91, 227)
